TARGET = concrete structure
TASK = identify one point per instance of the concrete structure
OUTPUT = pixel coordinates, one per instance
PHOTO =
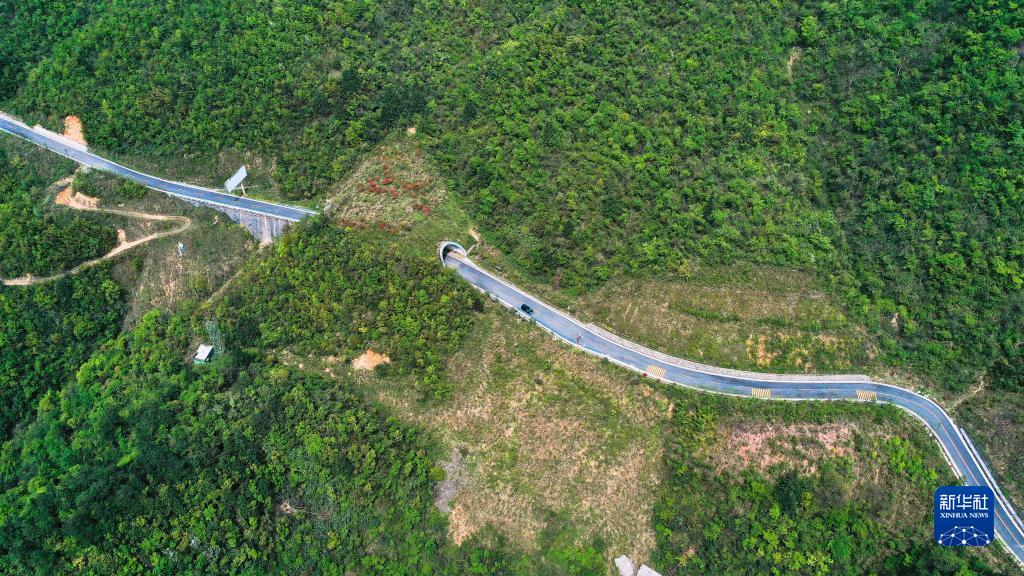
(646, 571)
(447, 247)
(263, 227)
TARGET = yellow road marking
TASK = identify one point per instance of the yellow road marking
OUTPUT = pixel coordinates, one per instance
(865, 395)
(761, 393)
(655, 371)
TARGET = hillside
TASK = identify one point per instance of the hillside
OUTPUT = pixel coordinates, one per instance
(872, 143)
(790, 187)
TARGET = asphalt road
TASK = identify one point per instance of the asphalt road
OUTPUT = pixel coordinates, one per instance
(956, 446)
(179, 189)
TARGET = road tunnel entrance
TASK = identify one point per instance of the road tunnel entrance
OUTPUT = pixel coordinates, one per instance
(447, 247)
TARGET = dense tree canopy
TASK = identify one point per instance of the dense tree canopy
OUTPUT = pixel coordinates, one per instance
(39, 239)
(47, 332)
(877, 142)
(180, 471)
(924, 127)
(329, 291)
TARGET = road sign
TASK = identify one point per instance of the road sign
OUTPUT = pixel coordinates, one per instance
(235, 180)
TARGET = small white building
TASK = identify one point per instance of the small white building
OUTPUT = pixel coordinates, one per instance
(203, 354)
(646, 571)
(625, 565)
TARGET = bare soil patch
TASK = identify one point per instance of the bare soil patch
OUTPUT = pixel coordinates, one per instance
(68, 197)
(794, 56)
(369, 360)
(455, 477)
(73, 129)
(763, 446)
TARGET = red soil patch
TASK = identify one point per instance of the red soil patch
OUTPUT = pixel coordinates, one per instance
(369, 360)
(73, 129)
(67, 197)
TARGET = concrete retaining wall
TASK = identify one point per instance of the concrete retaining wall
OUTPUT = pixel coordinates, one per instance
(264, 228)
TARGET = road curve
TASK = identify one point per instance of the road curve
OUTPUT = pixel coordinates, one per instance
(956, 446)
(55, 143)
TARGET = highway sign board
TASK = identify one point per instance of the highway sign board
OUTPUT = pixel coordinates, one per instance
(235, 180)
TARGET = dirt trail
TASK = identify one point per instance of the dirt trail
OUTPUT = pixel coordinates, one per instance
(982, 382)
(81, 202)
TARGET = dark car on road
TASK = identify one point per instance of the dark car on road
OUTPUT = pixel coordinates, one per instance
(526, 309)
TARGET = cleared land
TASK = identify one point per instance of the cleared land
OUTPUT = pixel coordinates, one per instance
(544, 438)
(154, 274)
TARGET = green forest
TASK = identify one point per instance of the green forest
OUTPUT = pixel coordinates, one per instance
(37, 240)
(142, 463)
(328, 291)
(877, 142)
(47, 332)
(876, 145)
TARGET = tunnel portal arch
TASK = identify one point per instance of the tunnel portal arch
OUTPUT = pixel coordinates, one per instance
(447, 246)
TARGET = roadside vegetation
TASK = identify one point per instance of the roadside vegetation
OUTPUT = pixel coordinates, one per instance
(816, 186)
(870, 144)
(743, 316)
(36, 238)
(154, 274)
(802, 488)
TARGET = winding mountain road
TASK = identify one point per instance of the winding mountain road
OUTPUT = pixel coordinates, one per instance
(55, 143)
(956, 446)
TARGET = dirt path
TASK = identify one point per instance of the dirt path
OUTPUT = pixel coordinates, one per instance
(75, 202)
(209, 299)
(982, 382)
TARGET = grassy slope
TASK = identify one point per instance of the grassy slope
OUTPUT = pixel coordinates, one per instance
(551, 437)
(215, 248)
(769, 319)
